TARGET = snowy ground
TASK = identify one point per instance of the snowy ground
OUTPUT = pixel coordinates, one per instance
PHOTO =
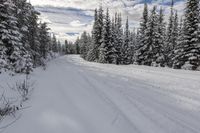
(75, 96)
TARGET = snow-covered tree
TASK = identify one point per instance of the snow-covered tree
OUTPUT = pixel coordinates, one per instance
(93, 48)
(59, 47)
(84, 45)
(97, 34)
(132, 45)
(172, 36)
(33, 36)
(161, 37)
(152, 50)
(3, 58)
(153, 44)
(113, 40)
(106, 48)
(126, 49)
(28, 65)
(22, 13)
(174, 41)
(44, 40)
(66, 47)
(22, 42)
(77, 46)
(142, 37)
(10, 37)
(54, 44)
(119, 38)
(188, 52)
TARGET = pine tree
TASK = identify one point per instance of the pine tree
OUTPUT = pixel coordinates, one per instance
(119, 38)
(59, 47)
(33, 36)
(28, 66)
(188, 53)
(10, 36)
(113, 41)
(172, 36)
(152, 44)
(126, 49)
(141, 37)
(177, 50)
(174, 39)
(100, 29)
(44, 40)
(54, 44)
(90, 55)
(151, 51)
(66, 47)
(162, 37)
(71, 48)
(22, 40)
(3, 58)
(84, 45)
(63, 50)
(22, 15)
(106, 48)
(77, 46)
(133, 43)
(93, 52)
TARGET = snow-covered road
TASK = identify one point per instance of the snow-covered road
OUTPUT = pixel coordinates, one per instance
(75, 96)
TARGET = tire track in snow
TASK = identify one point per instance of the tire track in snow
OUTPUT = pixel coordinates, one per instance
(102, 95)
(167, 115)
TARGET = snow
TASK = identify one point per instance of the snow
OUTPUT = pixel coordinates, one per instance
(76, 96)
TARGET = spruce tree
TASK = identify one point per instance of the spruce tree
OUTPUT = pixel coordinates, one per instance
(3, 58)
(84, 45)
(77, 46)
(172, 36)
(119, 39)
(10, 36)
(142, 36)
(177, 49)
(100, 30)
(126, 49)
(151, 51)
(188, 53)
(113, 41)
(44, 40)
(133, 43)
(59, 47)
(21, 39)
(174, 39)
(93, 51)
(22, 15)
(93, 54)
(54, 44)
(106, 48)
(161, 36)
(66, 47)
(33, 36)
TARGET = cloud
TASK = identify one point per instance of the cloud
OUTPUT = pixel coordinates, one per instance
(66, 20)
(75, 16)
(77, 23)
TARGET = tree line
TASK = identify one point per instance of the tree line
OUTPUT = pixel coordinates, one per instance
(25, 42)
(175, 44)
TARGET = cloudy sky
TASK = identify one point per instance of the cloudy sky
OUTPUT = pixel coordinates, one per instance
(68, 18)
